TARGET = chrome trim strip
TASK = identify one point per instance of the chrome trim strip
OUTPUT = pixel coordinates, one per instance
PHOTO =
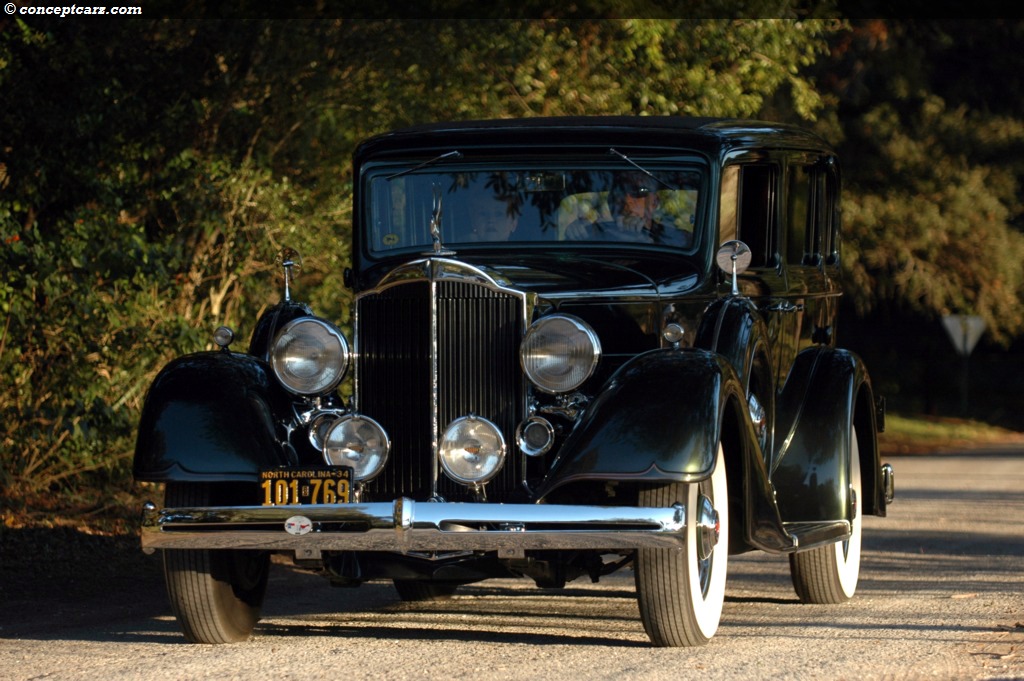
(435, 385)
(405, 525)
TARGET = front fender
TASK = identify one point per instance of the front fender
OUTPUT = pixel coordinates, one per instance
(733, 327)
(656, 419)
(210, 416)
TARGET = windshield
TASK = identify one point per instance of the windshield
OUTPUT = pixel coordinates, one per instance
(474, 207)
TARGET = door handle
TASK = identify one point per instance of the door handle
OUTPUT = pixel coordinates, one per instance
(786, 306)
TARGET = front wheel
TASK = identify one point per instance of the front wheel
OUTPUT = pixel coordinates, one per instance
(829, 574)
(216, 595)
(681, 591)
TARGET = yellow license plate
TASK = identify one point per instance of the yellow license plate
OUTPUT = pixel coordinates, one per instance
(290, 487)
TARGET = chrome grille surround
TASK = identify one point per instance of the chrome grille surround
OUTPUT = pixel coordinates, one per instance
(436, 340)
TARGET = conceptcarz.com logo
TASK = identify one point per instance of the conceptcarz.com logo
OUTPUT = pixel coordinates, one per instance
(72, 10)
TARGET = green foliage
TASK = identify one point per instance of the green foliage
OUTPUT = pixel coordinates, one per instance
(130, 230)
(932, 211)
(552, 67)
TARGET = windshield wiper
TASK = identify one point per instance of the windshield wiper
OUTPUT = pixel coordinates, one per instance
(453, 155)
(645, 171)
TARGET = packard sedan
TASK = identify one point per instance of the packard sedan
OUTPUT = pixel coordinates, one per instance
(579, 345)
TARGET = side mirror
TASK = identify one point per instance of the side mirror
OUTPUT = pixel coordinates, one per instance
(733, 258)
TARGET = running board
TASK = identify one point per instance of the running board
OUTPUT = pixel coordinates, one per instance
(807, 535)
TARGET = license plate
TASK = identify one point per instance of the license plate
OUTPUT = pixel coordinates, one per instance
(290, 487)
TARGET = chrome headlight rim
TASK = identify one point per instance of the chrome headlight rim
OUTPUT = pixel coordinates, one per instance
(379, 457)
(538, 353)
(451, 443)
(326, 373)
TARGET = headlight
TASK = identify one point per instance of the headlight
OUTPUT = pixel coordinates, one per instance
(559, 353)
(359, 442)
(309, 356)
(472, 450)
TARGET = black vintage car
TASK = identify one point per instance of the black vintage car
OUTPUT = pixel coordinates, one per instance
(579, 345)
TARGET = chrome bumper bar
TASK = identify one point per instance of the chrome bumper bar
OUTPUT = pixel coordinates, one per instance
(405, 525)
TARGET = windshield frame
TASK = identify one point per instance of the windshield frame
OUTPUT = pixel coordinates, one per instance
(533, 179)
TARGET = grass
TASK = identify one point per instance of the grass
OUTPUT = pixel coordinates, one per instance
(925, 434)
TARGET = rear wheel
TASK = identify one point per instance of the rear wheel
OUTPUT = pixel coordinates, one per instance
(829, 574)
(413, 590)
(216, 595)
(681, 591)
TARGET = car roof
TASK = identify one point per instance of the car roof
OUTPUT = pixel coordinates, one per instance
(701, 133)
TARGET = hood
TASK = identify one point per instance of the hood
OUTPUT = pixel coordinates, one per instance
(570, 276)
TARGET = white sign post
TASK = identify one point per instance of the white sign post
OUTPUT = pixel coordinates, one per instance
(964, 331)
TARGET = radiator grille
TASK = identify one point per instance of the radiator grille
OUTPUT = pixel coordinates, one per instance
(479, 331)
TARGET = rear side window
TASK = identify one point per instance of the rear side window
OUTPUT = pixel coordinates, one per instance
(811, 213)
(800, 215)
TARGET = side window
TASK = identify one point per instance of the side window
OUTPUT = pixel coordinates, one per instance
(821, 207)
(830, 214)
(801, 214)
(756, 220)
(812, 213)
(728, 204)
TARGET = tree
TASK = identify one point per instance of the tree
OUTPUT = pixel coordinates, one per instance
(934, 168)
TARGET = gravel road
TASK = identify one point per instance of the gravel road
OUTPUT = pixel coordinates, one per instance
(941, 596)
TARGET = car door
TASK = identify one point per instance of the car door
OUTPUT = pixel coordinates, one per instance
(758, 223)
(810, 215)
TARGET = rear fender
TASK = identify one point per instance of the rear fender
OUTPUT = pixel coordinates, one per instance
(827, 394)
(211, 416)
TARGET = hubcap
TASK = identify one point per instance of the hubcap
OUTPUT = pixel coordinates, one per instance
(708, 527)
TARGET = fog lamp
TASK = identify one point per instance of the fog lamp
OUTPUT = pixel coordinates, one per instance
(359, 442)
(472, 450)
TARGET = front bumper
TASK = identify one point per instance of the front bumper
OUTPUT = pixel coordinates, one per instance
(404, 526)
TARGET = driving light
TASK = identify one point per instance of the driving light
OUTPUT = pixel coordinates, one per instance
(359, 442)
(309, 356)
(472, 450)
(559, 353)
